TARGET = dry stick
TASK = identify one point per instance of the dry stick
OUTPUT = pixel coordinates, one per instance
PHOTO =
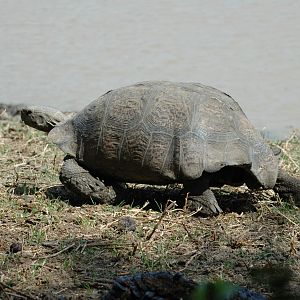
(190, 235)
(196, 242)
(101, 280)
(135, 247)
(3, 112)
(17, 177)
(289, 139)
(3, 292)
(95, 244)
(142, 208)
(16, 295)
(42, 154)
(5, 286)
(54, 161)
(59, 252)
(20, 165)
(189, 261)
(186, 201)
(60, 291)
(188, 215)
(293, 242)
(167, 208)
(289, 157)
(86, 244)
(283, 215)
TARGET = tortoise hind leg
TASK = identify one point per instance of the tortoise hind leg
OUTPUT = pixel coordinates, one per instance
(82, 183)
(201, 197)
(288, 187)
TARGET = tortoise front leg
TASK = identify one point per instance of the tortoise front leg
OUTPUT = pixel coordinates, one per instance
(201, 197)
(206, 202)
(82, 183)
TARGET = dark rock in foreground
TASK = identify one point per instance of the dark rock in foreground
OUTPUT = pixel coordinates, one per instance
(168, 286)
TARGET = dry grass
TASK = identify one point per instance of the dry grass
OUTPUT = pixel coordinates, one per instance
(76, 251)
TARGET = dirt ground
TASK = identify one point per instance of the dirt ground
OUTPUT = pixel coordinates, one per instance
(52, 246)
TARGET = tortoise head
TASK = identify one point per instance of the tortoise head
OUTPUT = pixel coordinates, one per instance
(42, 118)
(265, 165)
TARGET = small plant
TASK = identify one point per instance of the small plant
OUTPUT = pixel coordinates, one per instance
(68, 262)
(37, 236)
(37, 267)
(148, 262)
(219, 290)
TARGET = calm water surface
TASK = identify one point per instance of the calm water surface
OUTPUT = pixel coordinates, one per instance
(65, 53)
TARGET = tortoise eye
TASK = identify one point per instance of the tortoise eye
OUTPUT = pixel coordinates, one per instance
(39, 120)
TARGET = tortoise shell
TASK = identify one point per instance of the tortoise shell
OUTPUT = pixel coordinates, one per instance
(162, 132)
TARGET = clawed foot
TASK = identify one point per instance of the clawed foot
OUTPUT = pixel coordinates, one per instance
(81, 182)
(206, 203)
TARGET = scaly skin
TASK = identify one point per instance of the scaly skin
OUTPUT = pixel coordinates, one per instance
(288, 187)
(42, 118)
(82, 183)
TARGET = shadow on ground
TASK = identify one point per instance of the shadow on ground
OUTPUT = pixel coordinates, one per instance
(137, 196)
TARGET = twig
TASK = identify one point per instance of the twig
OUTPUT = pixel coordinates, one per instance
(167, 208)
(186, 201)
(190, 235)
(4, 286)
(283, 215)
(101, 284)
(29, 159)
(3, 112)
(3, 292)
(189, 261)
(289, 157)
(59, 252)
(142, 208)
(83, 245)
(16, 296)
(190, 214)
(95, 244)
(101, 280)
(17, 177)
(60, 291)
(293, 241)
(21, 164)
(135, 247)
(289, 139)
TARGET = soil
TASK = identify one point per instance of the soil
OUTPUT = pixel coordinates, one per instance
(55, 246)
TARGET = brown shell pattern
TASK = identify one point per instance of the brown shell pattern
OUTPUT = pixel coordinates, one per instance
(161, 132)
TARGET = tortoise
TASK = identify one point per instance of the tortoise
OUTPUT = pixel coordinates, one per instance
(159, 133)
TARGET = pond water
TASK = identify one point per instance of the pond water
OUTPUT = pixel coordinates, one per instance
(65, 53)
